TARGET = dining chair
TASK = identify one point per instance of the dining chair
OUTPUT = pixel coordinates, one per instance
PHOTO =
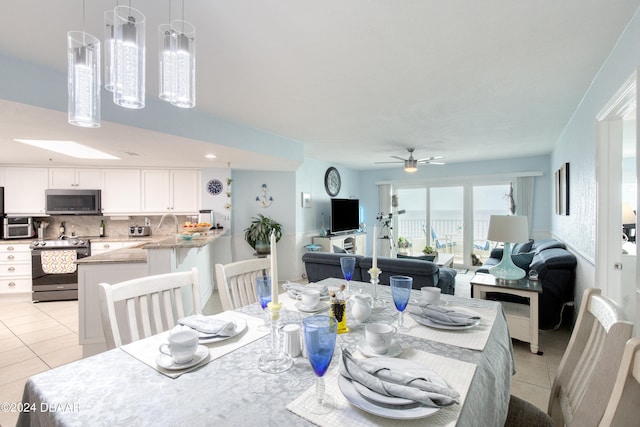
(142, 307)
(236, 281)
(622, 409)
(587, 371)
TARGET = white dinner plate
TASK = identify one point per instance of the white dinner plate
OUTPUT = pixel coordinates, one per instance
(165, 361)
(241, 325)
(322, 306)
(394, 349)
(396, 413)
(426, 322)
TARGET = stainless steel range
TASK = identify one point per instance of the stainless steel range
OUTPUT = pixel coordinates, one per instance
(54, 268)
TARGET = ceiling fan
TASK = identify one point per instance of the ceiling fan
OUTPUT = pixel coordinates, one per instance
(411, 164)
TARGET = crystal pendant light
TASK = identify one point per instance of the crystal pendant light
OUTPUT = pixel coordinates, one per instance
(83, 67)
(183, 76)
(166, 62)
(109, 70)
(128, 55)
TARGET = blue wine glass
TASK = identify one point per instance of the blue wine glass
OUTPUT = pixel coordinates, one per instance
(401, 290)
(263, 289)
(320, 339)
(348, 265)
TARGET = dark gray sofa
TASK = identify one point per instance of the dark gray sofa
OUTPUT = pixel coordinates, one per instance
(321, 265)
(556, 268)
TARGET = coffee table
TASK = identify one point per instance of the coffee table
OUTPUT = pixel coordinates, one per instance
(522, 319)
(444, 260)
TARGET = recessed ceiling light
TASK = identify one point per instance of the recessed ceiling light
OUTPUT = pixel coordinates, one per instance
(210, 156)
(69, 148)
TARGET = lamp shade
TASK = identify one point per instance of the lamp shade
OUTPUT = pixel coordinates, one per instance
(628, 216)
(508, 228)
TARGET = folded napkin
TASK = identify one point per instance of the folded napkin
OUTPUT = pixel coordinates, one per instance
(442, 315)
(294, 289)
(209, 325)
(429, 389)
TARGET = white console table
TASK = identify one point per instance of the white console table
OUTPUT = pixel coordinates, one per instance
(355, 243)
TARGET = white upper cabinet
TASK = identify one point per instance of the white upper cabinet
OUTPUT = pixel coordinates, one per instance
(121, 191)
(24, 191)
(175, 191)
(70, 178)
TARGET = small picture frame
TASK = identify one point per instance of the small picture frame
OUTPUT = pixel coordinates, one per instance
(305, 200)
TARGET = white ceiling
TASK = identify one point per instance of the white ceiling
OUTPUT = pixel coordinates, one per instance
(354, 81)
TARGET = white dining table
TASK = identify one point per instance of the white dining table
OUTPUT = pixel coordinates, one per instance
(114, 388)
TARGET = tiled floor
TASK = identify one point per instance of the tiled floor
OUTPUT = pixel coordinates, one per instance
(37, 337)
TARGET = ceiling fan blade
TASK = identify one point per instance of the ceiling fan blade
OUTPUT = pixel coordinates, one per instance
(432, 163)
(387, 162)
(428, 159)
(399, 158)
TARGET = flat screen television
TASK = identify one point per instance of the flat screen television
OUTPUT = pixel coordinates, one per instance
(345, 215)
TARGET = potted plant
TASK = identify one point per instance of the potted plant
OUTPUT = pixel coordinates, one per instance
(258, 234)
(430, 250)
(404, 245)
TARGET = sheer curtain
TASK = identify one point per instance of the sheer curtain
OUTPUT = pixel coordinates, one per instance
(524, 198)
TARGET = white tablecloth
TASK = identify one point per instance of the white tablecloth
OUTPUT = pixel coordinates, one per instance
(115, 389)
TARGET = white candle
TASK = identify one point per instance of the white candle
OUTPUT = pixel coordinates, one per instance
(274, 269)
(375, 245)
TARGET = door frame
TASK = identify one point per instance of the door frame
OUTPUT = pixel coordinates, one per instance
(608, 239)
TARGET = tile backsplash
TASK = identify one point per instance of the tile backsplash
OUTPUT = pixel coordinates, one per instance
(89, 226)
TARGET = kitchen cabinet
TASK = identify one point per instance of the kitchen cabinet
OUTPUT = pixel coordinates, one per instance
(121, 191)
(352, 243)
(74, 178)
(24, 191)
(15, 270)
(102, 247)
(175, 191)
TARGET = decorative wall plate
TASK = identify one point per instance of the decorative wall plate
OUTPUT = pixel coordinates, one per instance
(332, 181)
(214, 186)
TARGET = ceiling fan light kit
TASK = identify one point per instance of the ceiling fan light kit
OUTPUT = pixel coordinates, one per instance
(411, 164)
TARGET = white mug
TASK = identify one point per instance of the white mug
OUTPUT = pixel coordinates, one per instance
(292, 339)
(430, 294)
(379, 336)
(182, 345)
(310, 298)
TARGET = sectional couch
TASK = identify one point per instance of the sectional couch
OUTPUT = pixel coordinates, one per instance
(321, 265)
(556, 268)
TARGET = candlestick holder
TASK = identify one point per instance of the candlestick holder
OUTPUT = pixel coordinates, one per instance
(275, 360)
(376, 302)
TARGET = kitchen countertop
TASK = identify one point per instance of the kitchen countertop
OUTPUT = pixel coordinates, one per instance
(138, 253)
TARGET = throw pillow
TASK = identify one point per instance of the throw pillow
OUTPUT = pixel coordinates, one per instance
(522, 248)
(523, 260)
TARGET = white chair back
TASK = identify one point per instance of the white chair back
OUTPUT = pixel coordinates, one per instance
(139, 308)
(588, 369)
(622, 410)
(237, 281)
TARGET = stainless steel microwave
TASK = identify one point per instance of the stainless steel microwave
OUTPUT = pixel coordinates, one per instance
(73, 202)
(17, 227)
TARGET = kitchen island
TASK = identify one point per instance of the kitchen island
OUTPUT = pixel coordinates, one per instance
(151, 257)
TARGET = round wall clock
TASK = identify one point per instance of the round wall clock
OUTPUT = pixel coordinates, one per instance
(332, 181)
(214, 186)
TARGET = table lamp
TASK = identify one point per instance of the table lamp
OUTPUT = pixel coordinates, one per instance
(508, 229)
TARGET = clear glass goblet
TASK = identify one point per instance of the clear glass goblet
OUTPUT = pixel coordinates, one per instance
(320, 340)
(401, 290)
(263, 289)
(348, 265)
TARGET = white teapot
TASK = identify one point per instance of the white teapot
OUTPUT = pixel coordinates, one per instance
(361, 307)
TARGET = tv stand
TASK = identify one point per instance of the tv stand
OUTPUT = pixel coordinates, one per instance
(353, 243)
